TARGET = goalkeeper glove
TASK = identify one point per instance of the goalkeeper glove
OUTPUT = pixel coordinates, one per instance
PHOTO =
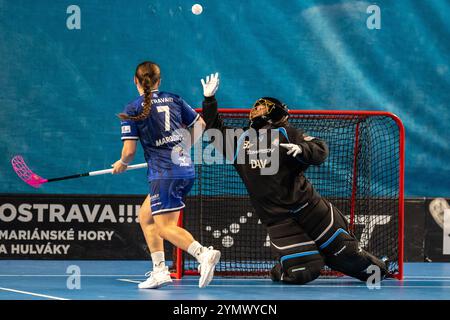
(211, 85)
(293, 149)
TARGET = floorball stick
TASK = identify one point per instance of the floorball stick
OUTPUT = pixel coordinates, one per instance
(32, 179)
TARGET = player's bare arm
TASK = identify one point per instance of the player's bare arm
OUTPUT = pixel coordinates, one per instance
(128, 153)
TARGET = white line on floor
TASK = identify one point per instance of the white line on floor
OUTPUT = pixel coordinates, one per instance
(128, 280)
(33, 294)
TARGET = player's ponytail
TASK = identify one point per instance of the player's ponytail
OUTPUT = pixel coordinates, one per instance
(148, 75)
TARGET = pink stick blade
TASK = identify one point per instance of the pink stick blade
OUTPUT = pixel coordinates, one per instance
(25, 173)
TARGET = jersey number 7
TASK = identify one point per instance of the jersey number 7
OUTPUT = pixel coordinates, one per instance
(166, 111)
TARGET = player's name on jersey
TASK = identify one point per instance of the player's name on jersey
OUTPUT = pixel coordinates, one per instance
(162, 100)
(171, 138)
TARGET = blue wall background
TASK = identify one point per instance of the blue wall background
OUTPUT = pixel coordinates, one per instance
(60, 89)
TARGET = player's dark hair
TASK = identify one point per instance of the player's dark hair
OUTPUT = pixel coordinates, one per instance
(147, 74)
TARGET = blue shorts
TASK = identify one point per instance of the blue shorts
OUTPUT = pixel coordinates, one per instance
(166, 195)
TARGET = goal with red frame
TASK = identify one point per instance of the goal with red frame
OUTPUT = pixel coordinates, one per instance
(363, 177)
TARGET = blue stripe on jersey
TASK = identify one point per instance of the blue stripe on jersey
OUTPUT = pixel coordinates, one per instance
(284, 132)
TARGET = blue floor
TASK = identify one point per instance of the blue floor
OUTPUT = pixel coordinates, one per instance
(118, 280)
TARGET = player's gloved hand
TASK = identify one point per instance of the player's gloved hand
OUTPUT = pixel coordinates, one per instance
(211, 85)
(293, 149)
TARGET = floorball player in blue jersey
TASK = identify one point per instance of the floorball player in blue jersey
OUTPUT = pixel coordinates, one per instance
(157, 119)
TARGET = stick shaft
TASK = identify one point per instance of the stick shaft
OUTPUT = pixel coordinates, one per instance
(74, 176)
(105, 171)
(96, 173)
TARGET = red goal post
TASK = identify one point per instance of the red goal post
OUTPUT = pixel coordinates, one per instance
(364, 177)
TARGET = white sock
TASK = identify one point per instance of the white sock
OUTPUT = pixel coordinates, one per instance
(158, 260)
(195, 249)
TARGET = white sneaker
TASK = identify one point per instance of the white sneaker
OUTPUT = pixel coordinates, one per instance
(208, 260)
(156, 279)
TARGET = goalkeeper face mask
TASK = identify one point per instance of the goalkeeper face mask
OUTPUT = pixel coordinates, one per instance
(266, 111)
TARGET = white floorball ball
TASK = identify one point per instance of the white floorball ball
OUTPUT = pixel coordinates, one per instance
(197, 9)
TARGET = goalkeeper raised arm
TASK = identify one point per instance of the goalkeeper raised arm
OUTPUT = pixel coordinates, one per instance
(306, 230)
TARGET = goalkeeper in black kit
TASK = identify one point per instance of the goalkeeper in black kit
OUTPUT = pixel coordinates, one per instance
(306, 231)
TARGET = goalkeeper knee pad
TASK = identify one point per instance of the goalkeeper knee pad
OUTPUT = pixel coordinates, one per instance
(329, 229)
(298, 272)
(353, 261)
(300, 260)
(342, 253)
(302, 267)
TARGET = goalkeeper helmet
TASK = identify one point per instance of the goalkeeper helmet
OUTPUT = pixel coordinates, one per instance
(268, 110)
